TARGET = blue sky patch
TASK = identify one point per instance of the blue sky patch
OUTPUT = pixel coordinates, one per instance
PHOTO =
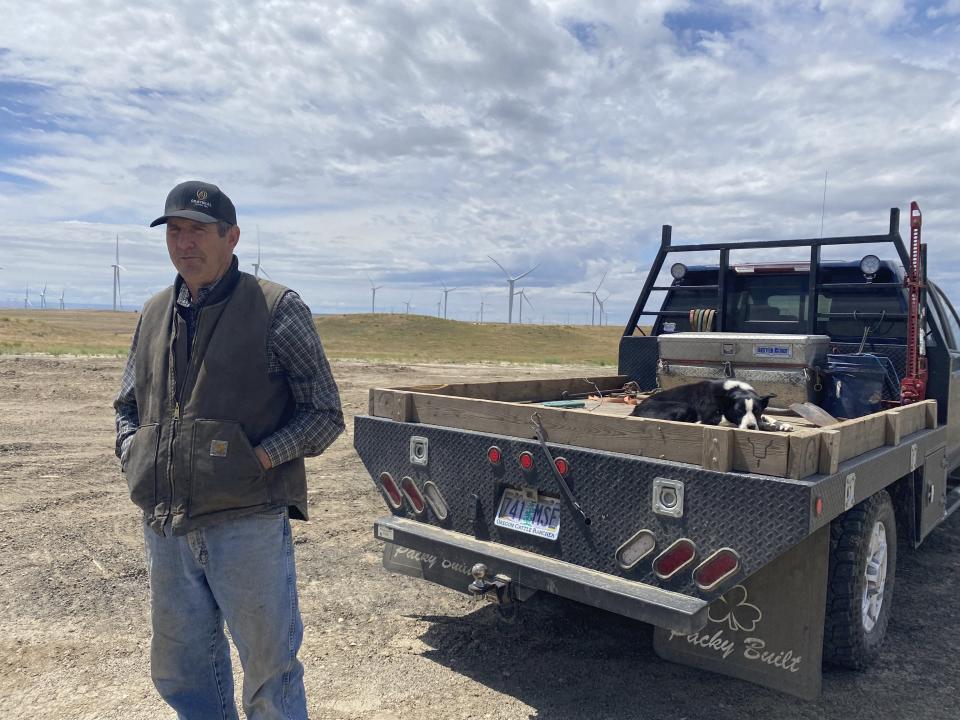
(19, 113)
(689, 26)
(586, 33)
(18, 181)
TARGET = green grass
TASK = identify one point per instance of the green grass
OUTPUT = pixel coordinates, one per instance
(402, 338)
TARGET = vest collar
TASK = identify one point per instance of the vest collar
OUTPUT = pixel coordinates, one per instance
(220, 289)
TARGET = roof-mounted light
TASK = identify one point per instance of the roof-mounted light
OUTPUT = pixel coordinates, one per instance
(869, 266)
(678, 271)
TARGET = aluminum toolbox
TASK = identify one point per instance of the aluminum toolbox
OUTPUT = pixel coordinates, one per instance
(785, 365)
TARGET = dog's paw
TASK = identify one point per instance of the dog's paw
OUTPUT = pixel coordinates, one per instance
(775, 425)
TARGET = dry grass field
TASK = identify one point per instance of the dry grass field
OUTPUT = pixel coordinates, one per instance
(407, 338)
(74, 613)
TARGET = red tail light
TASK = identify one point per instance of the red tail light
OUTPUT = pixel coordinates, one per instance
(563, 467)
(526, 460)
(435, 500)
(390, 489)
(716, 568)
(674, 559)
(494, 455)
(412, 493)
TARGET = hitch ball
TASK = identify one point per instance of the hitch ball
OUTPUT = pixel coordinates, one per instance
(479, 571)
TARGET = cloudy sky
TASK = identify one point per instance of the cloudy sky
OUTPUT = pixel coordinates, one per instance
(405, 141)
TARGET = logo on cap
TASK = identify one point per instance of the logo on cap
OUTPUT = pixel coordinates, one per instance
(201, 194)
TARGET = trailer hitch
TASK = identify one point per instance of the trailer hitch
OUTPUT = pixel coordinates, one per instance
(499, 590)
(542, 437)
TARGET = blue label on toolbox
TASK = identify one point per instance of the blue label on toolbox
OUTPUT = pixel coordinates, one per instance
(773, 351)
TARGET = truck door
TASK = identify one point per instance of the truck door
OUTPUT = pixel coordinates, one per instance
(950, 324)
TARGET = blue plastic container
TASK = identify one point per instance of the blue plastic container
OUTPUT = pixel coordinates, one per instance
(856, 384)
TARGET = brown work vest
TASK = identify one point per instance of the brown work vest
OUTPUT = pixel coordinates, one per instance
(191, 461)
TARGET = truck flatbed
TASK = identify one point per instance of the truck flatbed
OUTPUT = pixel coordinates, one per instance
(505, 408)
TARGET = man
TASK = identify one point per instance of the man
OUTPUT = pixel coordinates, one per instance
(225, 391)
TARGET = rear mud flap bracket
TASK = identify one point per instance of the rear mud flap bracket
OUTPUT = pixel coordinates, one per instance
(769, 629)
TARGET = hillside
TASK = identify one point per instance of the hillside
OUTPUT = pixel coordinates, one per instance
(405, 338)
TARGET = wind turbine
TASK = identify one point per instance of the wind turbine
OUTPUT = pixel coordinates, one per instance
(603, 312)
(26, 298)
(446, 291)
(481, 309)
(407, 304)
(373, 288)
(62, 306)
(43, 297)
(257, 266)
(117, 267)
(511, 281)
(595, 300)
(523, 297)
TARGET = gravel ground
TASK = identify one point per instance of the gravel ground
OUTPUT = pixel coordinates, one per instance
(74, 630)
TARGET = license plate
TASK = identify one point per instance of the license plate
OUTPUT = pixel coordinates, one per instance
(529, 513)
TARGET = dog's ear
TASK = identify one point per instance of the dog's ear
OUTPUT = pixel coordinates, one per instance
(764, 401)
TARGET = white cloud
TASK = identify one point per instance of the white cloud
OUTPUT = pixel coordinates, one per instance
(950, 8)
(409, 140)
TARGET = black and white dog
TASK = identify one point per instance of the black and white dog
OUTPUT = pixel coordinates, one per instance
(709, 402)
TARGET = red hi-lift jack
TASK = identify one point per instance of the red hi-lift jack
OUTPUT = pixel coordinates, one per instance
(913, 387)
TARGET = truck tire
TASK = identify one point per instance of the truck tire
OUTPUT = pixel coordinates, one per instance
(863, 560)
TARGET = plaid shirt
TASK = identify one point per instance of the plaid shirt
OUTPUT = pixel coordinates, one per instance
(293, 349)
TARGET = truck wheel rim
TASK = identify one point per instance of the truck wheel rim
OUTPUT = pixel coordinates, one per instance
(875, 575)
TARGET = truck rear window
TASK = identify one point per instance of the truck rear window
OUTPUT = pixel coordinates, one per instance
(756, 300)
(777, 303)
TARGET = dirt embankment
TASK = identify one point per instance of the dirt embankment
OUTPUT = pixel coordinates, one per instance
(74, 634)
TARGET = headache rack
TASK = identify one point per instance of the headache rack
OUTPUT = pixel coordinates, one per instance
(814, 286)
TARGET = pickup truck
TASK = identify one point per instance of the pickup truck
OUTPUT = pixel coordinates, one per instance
(759, 555)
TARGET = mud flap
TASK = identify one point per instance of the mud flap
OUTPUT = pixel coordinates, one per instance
(767, 630)
(453, 573)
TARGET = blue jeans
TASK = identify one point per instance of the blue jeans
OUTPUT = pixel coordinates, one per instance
(242, 572)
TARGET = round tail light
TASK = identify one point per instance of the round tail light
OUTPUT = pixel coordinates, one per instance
(526, 460)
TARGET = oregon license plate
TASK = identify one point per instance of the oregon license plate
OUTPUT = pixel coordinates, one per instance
(529, 513)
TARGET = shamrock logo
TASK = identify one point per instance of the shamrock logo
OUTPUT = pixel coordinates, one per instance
(734, 610)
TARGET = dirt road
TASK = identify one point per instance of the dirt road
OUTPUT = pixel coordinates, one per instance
(74, 616)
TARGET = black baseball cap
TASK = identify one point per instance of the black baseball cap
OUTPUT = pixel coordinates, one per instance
(200, 201)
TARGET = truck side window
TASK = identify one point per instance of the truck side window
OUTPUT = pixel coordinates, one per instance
(934, 319)
(683, 299)
(949, 314)
(850, 301)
